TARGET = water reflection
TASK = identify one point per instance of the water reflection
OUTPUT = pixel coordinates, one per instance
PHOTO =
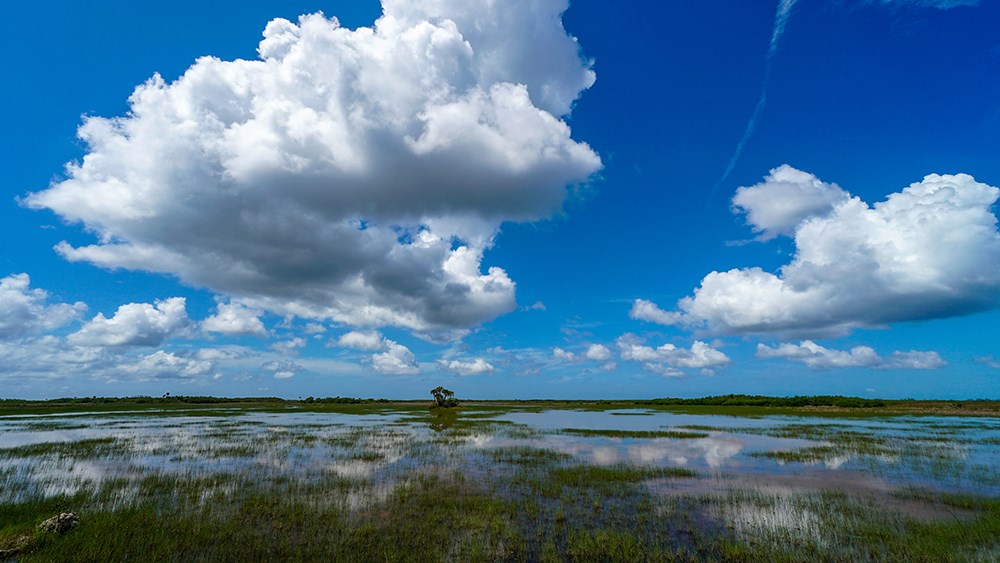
(47, 456)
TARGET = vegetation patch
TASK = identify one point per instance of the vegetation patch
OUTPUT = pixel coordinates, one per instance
(526, 455)
(81, 449)
(595, 475)
(763, 401)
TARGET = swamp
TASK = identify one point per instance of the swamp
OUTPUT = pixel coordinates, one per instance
(379, 481)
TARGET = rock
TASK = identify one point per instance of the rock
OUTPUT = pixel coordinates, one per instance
(14, 546)
(60, 524)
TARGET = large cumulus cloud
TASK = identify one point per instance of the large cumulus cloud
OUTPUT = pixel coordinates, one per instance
(136, 324)
(352, 175)
(928, 251)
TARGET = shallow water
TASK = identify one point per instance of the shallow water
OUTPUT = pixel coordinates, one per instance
(53, 455)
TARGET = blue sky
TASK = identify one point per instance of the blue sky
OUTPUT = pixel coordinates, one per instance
(485, 199)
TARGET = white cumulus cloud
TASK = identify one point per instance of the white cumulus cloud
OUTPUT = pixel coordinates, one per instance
(928, 251)
(669, 359)
(392, 357)
(818, 357)
(594, 352)
(315, 329)
(643, 310)
(396, 360)
(282, 369)
(136, 324)
(235, 319)
(161, 364)
(348, 175)
(25, 311)
(477, 366)
(598, 352)
(784, 199)
(565, 355)
(289, 346)
(362, 340)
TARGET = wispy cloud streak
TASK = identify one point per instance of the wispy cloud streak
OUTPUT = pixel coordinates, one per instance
(780, 20)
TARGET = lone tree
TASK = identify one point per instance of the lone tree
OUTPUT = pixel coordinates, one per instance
(443, 398)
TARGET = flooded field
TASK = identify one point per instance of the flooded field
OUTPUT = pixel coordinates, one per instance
(498, 483)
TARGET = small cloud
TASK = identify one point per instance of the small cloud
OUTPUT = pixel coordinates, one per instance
(396, 360)
(315, 328)
(288, 347)
(161, 364)
(478, 366)
(362, 340)
(282, 369)
(216, 354)
(598, 352)
(818, 357)
(593, 352)
(989, 360)
(560, 354)
(663, 370)
(643, 310)
(536, 306)
(668, 359)
(235, 319)
(786, 198)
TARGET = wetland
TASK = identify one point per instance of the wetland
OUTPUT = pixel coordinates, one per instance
(497, 482)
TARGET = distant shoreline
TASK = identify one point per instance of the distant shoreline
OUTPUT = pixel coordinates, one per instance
(741, 405)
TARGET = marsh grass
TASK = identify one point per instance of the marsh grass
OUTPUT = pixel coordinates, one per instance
(50, 425)
(842, 527)
(895, 451)
(82, 449)
(427, 517)
(596, 476)
(526, 455)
